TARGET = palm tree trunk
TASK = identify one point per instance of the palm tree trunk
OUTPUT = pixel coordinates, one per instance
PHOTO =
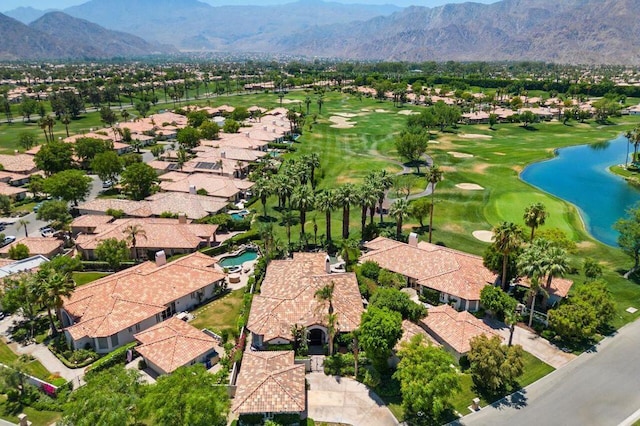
(533, 230)
(505, 286)
(328, 219)
(431, 214)
(345, 222)
(372, 213)
(533, 304)
(303, 219)
(380, 201)
(54, 330)
(512, 328)
(399, 227)
(363, 219)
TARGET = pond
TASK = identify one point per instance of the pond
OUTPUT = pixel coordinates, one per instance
(239, 259)
(580, 175)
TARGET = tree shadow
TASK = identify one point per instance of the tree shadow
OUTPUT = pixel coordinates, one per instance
(267, 219)
(530, 128)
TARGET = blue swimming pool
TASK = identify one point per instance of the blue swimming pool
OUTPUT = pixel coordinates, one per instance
(237, 260)
(240, 215)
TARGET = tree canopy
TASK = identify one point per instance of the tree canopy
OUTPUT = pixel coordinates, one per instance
(112, 251)
(56, 212)
(107, 165)
(397, 301)
(69, 185)
(54, 157)
(494, 366)
(380, 330)
(138, 180)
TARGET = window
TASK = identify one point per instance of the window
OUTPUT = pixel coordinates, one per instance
(114, 340)
(193, 295)
(130, 329)
(137, 327)
(103, 343)
(158, 318)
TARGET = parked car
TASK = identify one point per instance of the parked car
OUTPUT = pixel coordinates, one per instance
(8, 240)
(1, 315)
(107, 184)
(47, 231)
(37, 206)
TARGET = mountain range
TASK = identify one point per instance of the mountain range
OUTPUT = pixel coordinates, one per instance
(566, 31)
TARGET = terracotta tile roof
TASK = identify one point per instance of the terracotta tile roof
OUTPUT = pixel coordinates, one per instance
(243, 141)
(216, 186)
(453, 272)
(409, 330)
(159, 233)
(173, 343)
(559, 286)
(121, 300)
(11, 190)
(90, 220)
(18, 163)
(455, 328)
(36, 245)
(270, 382)
(213, 152)
(10, 177)
(288, 297)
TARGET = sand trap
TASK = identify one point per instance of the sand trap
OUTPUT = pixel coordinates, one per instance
(340, 122)
(475, 136)
(346, 114)
(291, 101)
(381, 110)
(459, 154)
(499, 153)
(469, 186)
(484, 236)
(365, 110)
(407, 112)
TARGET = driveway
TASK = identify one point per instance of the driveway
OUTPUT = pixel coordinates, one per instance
(341, 400)
(532, 343)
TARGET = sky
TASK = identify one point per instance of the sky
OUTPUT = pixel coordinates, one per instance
(6, 5)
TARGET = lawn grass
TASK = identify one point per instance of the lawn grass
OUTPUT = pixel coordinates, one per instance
(221, 313)
(82, 278)
(10, 413)
(34, 368)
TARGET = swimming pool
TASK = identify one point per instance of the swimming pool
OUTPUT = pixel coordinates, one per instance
(238, 259)
(239, 215)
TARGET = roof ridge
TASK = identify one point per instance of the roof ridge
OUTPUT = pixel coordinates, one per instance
(276, 379)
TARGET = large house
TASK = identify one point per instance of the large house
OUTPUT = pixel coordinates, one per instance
(221, 187)
(173, 236)
(287, 298)
(108, 312)
(43, 246)
(458, 277)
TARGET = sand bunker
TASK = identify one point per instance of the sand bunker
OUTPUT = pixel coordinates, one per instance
(381, 110)
(341, 122)
(469, 186)
(484, 236)
(346, 114)
(475, 136)
(408, 112)
(365, 110)
(459, 154)
(500, 153)
(291, 101)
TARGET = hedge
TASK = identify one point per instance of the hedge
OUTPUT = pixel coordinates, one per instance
(118, 356)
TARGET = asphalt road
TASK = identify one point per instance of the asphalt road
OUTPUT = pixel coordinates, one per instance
(598, 388)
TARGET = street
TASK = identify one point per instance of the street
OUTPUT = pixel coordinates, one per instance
(598, 388)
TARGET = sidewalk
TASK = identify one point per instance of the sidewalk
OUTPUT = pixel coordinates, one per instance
(50, 361)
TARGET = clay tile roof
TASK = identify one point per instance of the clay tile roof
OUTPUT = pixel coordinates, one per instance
(216, 186)
(455, 328)
(409, 330)
(270, 382)
(173, 343)
(113, 303)
(36, 245)
(450, 271)
(559, 286)
(288, 297)
(9, 190)
(91, 220)
(19, 163)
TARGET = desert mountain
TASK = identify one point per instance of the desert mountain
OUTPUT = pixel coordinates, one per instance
(26, 15)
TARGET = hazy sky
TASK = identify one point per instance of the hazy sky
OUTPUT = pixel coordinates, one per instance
(61, 4)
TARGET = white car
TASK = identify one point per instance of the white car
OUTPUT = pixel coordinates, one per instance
(8, 240)
(47, 231)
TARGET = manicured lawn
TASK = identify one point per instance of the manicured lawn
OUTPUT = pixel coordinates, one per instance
(220, 314)
(34, 368)
(10, 413)
(82, 278)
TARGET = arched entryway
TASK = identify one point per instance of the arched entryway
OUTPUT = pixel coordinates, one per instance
(316, 337)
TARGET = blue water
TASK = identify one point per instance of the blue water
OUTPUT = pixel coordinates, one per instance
(580, 175)
(246, 256)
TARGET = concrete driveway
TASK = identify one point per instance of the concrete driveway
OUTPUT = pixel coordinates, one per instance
(532, 343)
(341, 400)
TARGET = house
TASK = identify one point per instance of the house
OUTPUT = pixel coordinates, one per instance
(287, 298)
(10, 267)
(458, 277)
(453, 329)
(560, 288)
(19, 163)
(270, 383)
(229, 189)
(174, 343)
(173, 236)
(14, 179)
(13, 192)
(108, 312)
(38, 246)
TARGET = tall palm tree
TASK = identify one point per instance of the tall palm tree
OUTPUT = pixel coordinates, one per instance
(332, 330)
(66, 120)
(325, 294)
(320, 102)
(507, 237)
(534, 216)
(288, 219)
(313, 162)
(56, 285)
(399, 210)
(556, 264)
(23, 223)
(381, 181)
(346, 196)
(43, 125)
(367, 198)
(535, 289)
(307, 102)
(303, 199)
(326, 203)
(434, 175)
(132, 232)
(262, 189)
(633, 136)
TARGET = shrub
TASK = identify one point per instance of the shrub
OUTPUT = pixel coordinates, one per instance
(370, 270)
(118, 356)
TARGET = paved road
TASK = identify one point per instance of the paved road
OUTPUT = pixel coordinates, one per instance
(600, 388)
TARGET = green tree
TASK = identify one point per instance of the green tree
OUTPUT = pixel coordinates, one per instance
(143, 108)
(209, 130)
(399, 210)
(22, 293)
(5, 205)
(497, 301)
(380, 330)
(69, 185)
(326, 203)
(138, 180)
(230, 126)
(412, 147)
(197, 118)
(23, 224)
(15, 377)
(87, 148)
(346, 196)
(54, 157)
(36, 185)
(303, 199)
(419, 209)
(107, 116)
(112, 251)
(592, 269)
(397, 301)
(27, 140)
(535, 215)
(507, 239)
(107, 165)
(633, 136)
(110, 397)
(262, 189)
(325, 294)
(178, 399)
(55, 285)
(427, 380)
(56, 212)
(494, 366)
(189, 137)
(18, 251)
(132, 233)
(434, 175)
(28, 107)
(629, 238)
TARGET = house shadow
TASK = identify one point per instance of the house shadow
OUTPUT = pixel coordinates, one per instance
(517, 400)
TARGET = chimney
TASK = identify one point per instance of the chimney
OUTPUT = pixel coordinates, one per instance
(192, 189)
(246, 134)
(327, 264)
(273, 130)
(264, 128)
(413, 239)
(223, 154)
(273, 122)
(182, 218)
(161, 258)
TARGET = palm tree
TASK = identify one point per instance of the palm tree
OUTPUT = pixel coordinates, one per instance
(307, 102)
(534, 216)
(399, 210)
(356, 350)
(325, 294)
(367, 198)
(326, 203)
(349, 246)
(288, 219)
(313, 162)
(634, 138)
(303, 199)
(66, 120)
(42, 122)
(346, 196)
(320, 103)
(132, 233)
(434, 175)
(262, 189)
(532, 293)
(181, 156)
(24, 223)
(507, 237)
(556, 264)
(56, 285)
(381, 181)
(332, 330)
